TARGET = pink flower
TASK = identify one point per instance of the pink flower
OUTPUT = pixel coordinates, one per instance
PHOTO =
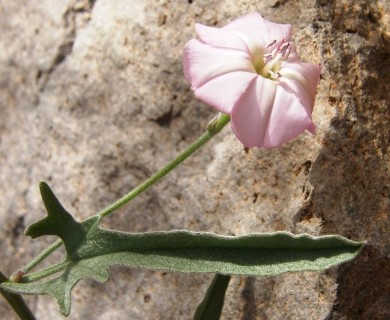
(250, 70)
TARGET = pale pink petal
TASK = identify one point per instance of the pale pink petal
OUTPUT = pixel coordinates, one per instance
(302, 80)
(258, 32)
(250, 28)
(288, 119)
(277, 31)
(221, 38)
(264, 112)
(223, 92)
(250, 115)
(203, 62)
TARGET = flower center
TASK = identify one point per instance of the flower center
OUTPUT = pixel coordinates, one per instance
(272, 61)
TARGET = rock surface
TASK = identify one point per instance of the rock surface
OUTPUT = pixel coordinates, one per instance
(93, 100)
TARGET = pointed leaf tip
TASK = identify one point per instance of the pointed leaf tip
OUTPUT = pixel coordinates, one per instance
(52, 204)
(58, 221)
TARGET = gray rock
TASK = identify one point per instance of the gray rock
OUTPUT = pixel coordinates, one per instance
(93, 100)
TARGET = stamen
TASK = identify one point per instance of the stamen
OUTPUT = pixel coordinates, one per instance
(270, 44)
(273, 60)
(288, 51)
(280, 44)
(275, 51)
(284, 48)
(267, 57)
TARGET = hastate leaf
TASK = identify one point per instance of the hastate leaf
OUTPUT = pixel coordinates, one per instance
(92, 250)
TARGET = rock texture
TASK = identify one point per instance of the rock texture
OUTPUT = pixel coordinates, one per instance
(93, 100)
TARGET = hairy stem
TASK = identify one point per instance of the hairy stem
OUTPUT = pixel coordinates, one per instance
(215, 126)
(45, 272)
(16, 302)
(33, 263)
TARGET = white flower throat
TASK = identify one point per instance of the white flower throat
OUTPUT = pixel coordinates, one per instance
(271, 63)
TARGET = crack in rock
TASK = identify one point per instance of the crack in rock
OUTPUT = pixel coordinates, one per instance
(77, 8)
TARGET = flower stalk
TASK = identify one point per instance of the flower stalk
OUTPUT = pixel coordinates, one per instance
(214, 127)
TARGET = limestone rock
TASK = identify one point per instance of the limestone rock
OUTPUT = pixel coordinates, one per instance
(93, 100)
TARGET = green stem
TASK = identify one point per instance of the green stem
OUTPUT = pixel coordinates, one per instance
(33, 263)
(16, 302)
(215, 126)
(45, 272)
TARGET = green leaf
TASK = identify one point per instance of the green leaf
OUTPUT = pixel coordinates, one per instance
(211, 306)
(91, 251)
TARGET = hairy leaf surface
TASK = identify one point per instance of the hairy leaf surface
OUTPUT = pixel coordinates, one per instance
(92, 250)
